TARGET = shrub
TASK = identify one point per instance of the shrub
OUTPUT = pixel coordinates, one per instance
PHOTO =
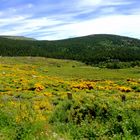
(93, 118)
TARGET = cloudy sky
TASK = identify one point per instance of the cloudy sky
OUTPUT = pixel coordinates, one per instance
(58, 19)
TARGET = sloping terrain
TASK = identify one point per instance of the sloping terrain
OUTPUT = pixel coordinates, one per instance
(17, 37)
(90, 49)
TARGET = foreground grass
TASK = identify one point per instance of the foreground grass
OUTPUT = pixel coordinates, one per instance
(105, 103)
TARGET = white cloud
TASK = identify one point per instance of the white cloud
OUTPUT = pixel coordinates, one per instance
(1, 13)
(90, 2)
(116, 24)
(98, 3)
(12, 20)
(30, 5)
(59, 25)
(25, 25)
(128, 25)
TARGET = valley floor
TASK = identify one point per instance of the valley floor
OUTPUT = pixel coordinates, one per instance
(43, 98)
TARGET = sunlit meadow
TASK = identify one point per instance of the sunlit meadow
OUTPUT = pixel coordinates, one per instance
(34, 101)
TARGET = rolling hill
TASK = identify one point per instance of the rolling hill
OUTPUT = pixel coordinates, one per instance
(17, 37)
(92, 49)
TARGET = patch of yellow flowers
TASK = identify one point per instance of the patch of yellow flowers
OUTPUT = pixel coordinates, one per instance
(39, 87)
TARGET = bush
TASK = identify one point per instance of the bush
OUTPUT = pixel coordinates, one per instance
(94, 118)
(12, 129)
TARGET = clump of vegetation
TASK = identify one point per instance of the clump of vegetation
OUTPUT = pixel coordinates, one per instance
(119, 65)
(19, 123)
(92, 118)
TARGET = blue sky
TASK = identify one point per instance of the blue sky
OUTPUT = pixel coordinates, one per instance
(59, 19)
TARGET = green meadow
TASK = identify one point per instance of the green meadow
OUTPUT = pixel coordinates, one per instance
(54, 99)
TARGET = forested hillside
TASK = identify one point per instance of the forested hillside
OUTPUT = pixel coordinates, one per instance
(91, 49)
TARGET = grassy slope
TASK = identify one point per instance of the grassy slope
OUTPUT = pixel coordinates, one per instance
(17, 37)
(73, 69)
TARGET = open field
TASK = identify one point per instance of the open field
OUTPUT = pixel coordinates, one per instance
(105, 103)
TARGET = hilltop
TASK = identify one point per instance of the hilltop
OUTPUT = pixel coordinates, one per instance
(17, 37)
(92, 49)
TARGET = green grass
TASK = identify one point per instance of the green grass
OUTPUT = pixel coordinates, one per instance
(73, 69)
(33, 100)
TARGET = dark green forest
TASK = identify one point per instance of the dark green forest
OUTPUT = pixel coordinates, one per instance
(92, 49)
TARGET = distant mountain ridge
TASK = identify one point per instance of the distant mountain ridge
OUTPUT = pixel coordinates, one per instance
(17, 37)
(90, 49)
